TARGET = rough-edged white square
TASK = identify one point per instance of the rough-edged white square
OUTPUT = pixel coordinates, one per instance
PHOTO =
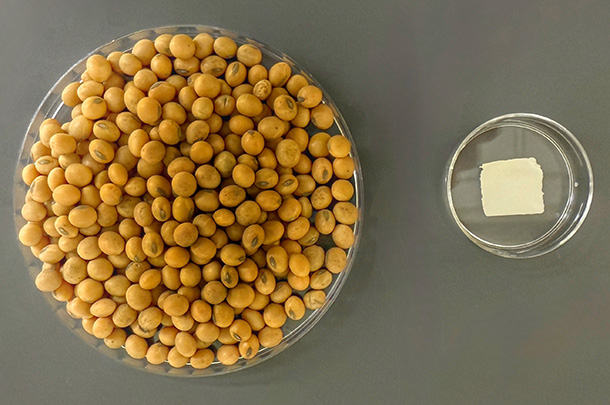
(512, 187)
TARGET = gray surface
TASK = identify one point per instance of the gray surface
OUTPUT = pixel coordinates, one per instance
(426, 317)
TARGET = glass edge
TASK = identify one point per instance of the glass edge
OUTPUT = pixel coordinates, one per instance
(520, 251)
(296, 334)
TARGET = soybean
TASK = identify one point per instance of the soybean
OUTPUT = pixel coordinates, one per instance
(180, 198)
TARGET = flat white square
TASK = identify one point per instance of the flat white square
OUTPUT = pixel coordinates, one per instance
(512, 187)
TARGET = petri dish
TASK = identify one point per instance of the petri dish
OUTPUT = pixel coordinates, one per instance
(567, 185)
(53, 107)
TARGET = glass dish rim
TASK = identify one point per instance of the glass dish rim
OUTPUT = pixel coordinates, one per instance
(525, 250)
(124, 43)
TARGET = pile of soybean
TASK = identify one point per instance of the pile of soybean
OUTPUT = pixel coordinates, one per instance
(181, 213)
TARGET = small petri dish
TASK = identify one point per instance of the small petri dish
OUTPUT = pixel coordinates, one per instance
(567, 185)
(53, 107)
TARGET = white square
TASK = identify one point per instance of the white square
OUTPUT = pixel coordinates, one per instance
(512, 187)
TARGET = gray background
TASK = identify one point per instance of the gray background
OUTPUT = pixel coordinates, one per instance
(426, 316)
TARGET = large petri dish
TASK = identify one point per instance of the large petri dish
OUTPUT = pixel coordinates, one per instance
(567, 185)
(53, 107)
